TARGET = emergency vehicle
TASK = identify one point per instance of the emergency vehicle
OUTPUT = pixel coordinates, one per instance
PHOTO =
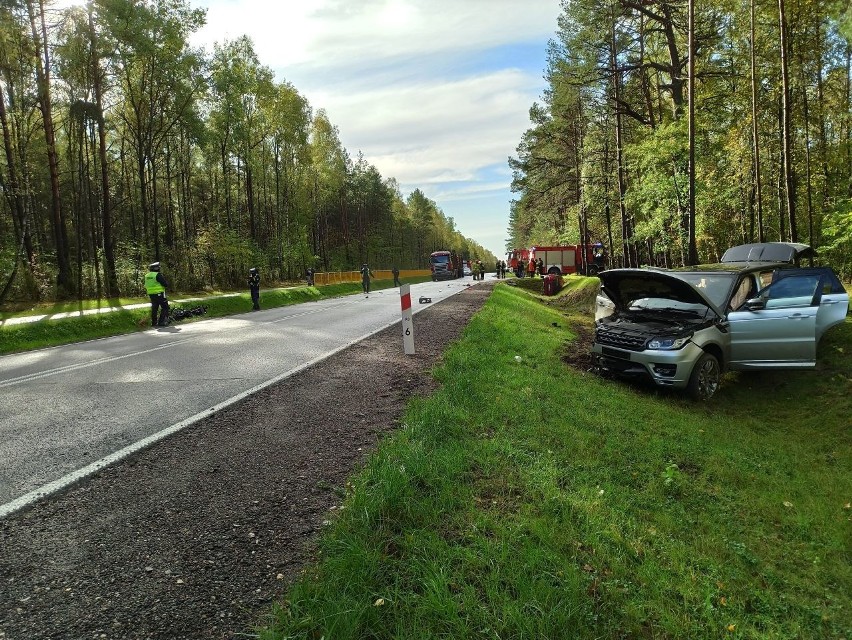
(445, 265)
(568, 259)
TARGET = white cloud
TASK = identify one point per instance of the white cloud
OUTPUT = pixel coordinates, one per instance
(334, 32)
(443, 131)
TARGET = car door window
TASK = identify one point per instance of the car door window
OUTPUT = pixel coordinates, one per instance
(793, 291)
(745, 290)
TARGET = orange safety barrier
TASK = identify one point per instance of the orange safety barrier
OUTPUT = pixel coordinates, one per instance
(337, 277)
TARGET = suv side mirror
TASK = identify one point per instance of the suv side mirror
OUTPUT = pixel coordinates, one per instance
(755, 304)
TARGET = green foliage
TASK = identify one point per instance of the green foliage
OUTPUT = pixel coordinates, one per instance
(617, 82)
(661, 197)
(837, 229)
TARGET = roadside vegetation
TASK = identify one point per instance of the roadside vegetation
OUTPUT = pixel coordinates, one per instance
(529, 498)
(47, 332)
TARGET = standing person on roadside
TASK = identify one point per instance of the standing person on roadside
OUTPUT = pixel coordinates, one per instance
(254, 287)
(366, 274)
(155, 286)
(531, 267)
(309, 276)
(540, 267)
(395, 272)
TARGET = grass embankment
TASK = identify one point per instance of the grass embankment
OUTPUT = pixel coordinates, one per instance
(47, 332)
(527, 499)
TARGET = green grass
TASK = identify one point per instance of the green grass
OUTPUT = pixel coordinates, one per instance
(20, 309)
(51, 332)
(531, 500)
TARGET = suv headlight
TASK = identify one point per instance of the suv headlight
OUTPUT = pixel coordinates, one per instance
(668, 344)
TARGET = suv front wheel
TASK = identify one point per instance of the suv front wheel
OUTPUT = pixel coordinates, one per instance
(705, 379)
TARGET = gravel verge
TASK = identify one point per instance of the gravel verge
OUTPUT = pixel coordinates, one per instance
(196, 536)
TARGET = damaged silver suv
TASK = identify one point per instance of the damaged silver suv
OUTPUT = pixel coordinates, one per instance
(683, 328)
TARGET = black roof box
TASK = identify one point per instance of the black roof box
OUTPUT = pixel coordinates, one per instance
(790, 252)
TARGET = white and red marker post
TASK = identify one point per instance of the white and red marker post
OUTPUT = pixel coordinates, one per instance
(407, 320)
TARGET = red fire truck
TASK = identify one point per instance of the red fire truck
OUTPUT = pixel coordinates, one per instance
(568, 259)
(445, 265)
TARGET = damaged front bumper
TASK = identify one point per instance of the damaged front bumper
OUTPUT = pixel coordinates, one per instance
(665, 368)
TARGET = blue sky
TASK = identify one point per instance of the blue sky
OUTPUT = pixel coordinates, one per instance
(434, 93)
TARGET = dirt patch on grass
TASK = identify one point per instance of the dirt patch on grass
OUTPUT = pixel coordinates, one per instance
(578, 352)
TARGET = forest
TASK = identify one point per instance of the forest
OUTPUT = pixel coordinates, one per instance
(123, 145)
(671, 131)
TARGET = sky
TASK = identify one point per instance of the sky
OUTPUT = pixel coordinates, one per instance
(434, 93)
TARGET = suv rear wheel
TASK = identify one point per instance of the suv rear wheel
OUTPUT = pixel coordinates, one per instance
(705, 379)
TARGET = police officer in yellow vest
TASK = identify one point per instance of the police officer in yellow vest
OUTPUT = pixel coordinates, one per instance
(155, 285)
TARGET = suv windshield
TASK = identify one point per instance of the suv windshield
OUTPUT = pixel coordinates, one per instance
(667, 305)
(716, 287)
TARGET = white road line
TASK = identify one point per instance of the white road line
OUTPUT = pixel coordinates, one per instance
(83, 365)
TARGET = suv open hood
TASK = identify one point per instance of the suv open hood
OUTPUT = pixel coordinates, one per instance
(625, 285)
(790, 252)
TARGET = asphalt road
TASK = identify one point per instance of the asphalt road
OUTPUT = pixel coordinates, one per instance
(67, 411)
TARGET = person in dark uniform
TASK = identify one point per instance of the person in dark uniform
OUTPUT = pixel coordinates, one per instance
(395, 272)
(365, 277)
(254, 287)
(309, 275)
(155, 286)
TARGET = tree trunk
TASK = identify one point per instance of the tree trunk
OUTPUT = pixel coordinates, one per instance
(758, 193)
(143, 192)
(807, 124)
(226, 183)
(64, 282)
(607, 209)
(578, 162)
(823, 144)
(250, 201)
(646, 86)
(786, 136)
(692, 251)
(782, 235)
(110, 277)
(626, 231)
(848, 121)
(16, 204)
(13, 189)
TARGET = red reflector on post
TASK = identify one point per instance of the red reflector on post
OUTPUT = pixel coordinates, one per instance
(406, 301)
